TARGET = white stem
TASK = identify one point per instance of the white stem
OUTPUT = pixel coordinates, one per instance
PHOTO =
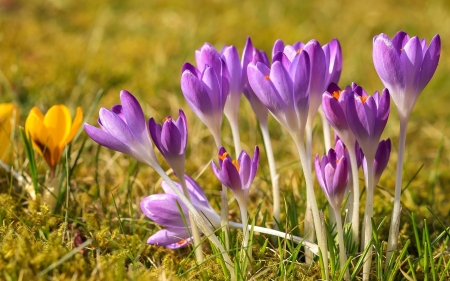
(368, 218)
(308, 223)
(273, 171)
(234, 124)
(224, 202)
(246, 251)
(326, 130)
(194, 227)
(395, 220)
(311, 197)
(297, 239)
(340, 231)
(355, 194)
(199, 220)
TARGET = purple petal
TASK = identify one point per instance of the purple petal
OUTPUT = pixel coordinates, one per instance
(245, 166)
(318, 83)
(277, 47)
(411, 57)
(388, 66)
(103, 138)
(231, 57)
(299, 72)
(430, 62)
(170, 237)
(263, 88)
(163, 209)
(196, 95)
(208, 56)
(189, 67)
(231, 177)
(135, 118)
(282, 82)
(399, 40)
(116, 127)
(334, 113)
(281, 57)
(155, 132)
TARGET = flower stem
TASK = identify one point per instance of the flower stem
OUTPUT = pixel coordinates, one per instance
(273, 171)
(224, 203)
(311, 198)
(395, 220)
(340, 232)
(245, 251)
(309, 220)
(194, 227)
(355, 195)
(297, 239)
(199, 220)
(234, 124)
(368, 214)
(326, 130)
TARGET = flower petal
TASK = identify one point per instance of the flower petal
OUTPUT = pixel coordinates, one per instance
(170, 237)
(75, 125)
(163, 209)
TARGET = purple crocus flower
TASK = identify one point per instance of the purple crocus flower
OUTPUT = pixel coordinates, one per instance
(206, 93)
(253, 55)
(284, 89)
(163, 209)
(208, 56)
(367, 117)
(341, 150)
(326, 65)
(171, 139)
(238, 174)
(405, 65)
(124, 129)
(332, 174)
(231, 57)
(380, 161)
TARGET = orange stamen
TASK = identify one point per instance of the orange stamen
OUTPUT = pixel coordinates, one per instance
(336, 94)
(267, 77)
(299, 51)
(223, 156)
(167, 119)
(364, 99)
(181, 242)
(236, 164)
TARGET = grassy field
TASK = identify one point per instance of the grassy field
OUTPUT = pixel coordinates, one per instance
(82, 53)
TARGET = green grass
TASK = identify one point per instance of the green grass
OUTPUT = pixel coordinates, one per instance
(82, 53)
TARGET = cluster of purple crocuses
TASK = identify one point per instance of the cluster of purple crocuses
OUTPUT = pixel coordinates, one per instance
(300, 79)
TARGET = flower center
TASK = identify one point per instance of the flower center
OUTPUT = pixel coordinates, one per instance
(236, 164)
(168, 118)
(337, 94)
(181, 242)
(299, 51)
(267, 77)
(223, 156)
(364, 99)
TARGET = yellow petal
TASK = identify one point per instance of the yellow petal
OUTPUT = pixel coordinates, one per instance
(75, 125)
(38, 113)
(9, 116)
(39, 134)
(58, 122)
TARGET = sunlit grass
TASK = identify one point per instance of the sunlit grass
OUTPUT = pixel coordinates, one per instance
(83, 53)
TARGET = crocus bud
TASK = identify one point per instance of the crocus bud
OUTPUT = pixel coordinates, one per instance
(405, 65)
(238, 174)
(206, 93)
(283, 89)
(51, 133)
(171, 139)
(367, 117)
(332, 174)
(124, 129)
(163, 209)
(253, 55)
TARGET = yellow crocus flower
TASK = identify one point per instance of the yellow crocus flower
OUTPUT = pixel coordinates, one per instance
(9, 115)
(51, 133)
